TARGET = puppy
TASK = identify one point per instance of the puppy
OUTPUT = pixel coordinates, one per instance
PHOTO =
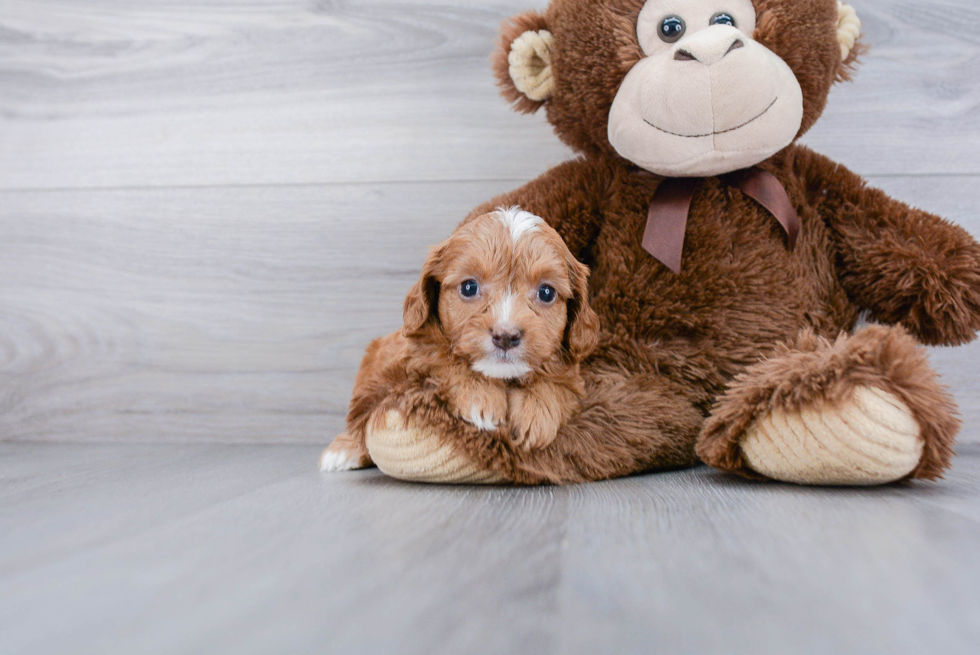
(497, 323)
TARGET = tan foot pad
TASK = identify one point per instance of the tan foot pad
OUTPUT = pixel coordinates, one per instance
(870, 439)
(410, 454)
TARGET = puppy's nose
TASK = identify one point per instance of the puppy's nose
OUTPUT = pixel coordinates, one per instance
(506, 338)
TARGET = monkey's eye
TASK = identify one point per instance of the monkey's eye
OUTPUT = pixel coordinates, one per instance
(672, 29)
(469, 288)
(722, 19)
(546, 294)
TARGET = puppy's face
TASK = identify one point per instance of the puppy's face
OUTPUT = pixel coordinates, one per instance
(507, 294)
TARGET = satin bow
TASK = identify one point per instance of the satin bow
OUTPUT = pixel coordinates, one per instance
(667, 218)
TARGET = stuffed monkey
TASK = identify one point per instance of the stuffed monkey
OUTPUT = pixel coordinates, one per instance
(729, 264)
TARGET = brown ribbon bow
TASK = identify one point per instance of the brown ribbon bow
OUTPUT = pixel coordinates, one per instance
(667, 218)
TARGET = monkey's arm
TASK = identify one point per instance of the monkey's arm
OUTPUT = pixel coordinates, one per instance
(902, 264)
(568, 197)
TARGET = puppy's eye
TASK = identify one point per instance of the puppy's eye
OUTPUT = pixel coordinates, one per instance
(469, 288)
(546, 293)
(722, 19)
(672, 29)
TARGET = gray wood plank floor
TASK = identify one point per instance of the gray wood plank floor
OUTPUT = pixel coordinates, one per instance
(153, 548)
(241, 314)
(207, 209)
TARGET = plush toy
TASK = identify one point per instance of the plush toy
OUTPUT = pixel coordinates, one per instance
(729, 264)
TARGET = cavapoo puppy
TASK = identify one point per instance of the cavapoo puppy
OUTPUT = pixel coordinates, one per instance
(497, 324)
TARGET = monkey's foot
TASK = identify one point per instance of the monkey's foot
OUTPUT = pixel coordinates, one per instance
(870, 438)
(863, 410)
(408, 452)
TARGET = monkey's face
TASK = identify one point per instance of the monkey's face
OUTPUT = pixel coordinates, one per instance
(682, 88)
(706, 98)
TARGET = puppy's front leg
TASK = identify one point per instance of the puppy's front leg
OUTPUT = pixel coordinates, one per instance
(536, 412)
(480, 402)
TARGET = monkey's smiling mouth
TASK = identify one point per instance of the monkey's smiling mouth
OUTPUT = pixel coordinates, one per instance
(731, 129)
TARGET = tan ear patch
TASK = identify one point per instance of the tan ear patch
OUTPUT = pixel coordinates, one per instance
(530, 64)
(848, 28)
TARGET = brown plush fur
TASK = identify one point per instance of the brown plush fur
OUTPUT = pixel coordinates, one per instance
(811, 370)
(596, 46)
(447, 335)
(675, 348)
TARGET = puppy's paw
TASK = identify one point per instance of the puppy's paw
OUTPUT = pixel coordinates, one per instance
(483, 405)
(482, 418)
(533, 423)
(344, 455)
(335, 460)
(535, 433)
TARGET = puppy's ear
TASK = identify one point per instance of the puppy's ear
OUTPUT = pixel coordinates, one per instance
(422, 301)
(522, 62)
(582, 328)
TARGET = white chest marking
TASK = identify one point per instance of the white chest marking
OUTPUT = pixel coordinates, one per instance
(494, 368)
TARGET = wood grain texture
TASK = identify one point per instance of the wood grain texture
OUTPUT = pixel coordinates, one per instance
(121, 94)
(186, 314)
(247, 549)
(207, 210)
(241, 314)
(211, 233)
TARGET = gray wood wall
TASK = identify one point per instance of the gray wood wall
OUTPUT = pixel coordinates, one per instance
(208, 207)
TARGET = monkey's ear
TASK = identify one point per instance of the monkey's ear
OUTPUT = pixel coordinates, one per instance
(522, 61)
(848, 36)
(422, 301)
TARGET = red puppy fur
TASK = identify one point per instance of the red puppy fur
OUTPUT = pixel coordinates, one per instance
(496, 326)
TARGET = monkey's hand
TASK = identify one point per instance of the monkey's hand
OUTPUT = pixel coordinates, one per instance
(905, 266)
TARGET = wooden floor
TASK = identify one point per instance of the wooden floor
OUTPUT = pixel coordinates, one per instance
(212, 548)
(207, 209)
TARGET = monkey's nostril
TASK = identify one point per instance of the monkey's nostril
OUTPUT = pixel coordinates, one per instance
(684, 55)
(735, 46)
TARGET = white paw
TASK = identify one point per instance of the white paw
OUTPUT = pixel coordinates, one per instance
(482, 420)
(336, 460)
